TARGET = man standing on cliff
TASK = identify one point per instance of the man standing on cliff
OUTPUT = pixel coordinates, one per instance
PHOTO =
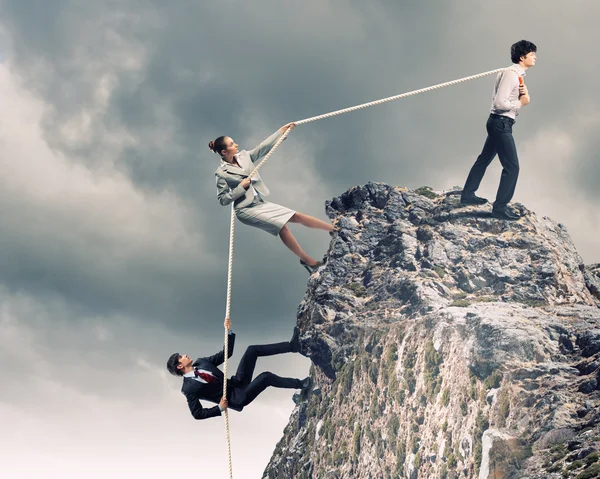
(510, 94)
(202, 380)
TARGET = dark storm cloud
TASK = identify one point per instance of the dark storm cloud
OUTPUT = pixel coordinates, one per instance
(113, 248)
(195, 70)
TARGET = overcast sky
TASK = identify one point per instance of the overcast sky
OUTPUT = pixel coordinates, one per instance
(113, 247)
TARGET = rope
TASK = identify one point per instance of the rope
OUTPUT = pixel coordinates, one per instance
(372, 103)
(226, 347)
(254, 172)
(403, 95)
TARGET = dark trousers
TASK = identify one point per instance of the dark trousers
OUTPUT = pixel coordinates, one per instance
(499, 141)
(253, 387)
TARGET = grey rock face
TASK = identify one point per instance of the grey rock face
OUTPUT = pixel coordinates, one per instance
(446, 344)
(592, 280)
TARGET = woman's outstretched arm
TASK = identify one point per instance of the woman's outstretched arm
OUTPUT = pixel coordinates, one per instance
(261, 150)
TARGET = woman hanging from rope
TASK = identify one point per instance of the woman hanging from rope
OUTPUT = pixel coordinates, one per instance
(234, 185)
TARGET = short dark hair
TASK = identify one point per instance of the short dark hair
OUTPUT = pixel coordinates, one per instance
(521, 49)
(172, 364)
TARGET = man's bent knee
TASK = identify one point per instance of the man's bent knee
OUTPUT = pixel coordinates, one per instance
(252, 349)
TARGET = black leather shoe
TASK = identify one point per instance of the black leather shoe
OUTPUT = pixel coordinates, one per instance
(505, 214)
(472, 200)
(306, 383)
(295, 341)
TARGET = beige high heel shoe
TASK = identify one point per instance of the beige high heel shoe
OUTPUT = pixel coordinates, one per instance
(311, 269)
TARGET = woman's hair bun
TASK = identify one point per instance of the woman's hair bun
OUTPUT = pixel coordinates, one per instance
(218, 145)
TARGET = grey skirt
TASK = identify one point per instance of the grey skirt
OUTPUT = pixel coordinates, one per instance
(267, 216)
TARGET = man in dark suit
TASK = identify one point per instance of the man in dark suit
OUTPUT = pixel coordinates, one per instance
(203, 380)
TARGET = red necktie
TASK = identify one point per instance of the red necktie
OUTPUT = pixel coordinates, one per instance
(208, 377)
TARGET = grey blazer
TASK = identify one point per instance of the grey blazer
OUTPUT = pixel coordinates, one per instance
(229, 176)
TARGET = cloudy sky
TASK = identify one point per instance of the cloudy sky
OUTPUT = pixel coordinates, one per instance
(113, 248)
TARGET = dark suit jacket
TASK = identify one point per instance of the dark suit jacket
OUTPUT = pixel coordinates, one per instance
(195, 390)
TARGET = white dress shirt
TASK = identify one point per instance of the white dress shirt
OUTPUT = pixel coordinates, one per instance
(192, 375)
(505, 101)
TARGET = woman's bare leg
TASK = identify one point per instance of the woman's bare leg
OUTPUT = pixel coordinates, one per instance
(288, 239)
(311, 222)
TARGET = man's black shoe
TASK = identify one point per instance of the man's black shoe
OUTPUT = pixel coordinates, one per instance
(505, 214)
(295, 341)
(306, 383)
(472, 200)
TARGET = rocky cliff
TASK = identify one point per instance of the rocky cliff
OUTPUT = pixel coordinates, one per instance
(446, 344)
